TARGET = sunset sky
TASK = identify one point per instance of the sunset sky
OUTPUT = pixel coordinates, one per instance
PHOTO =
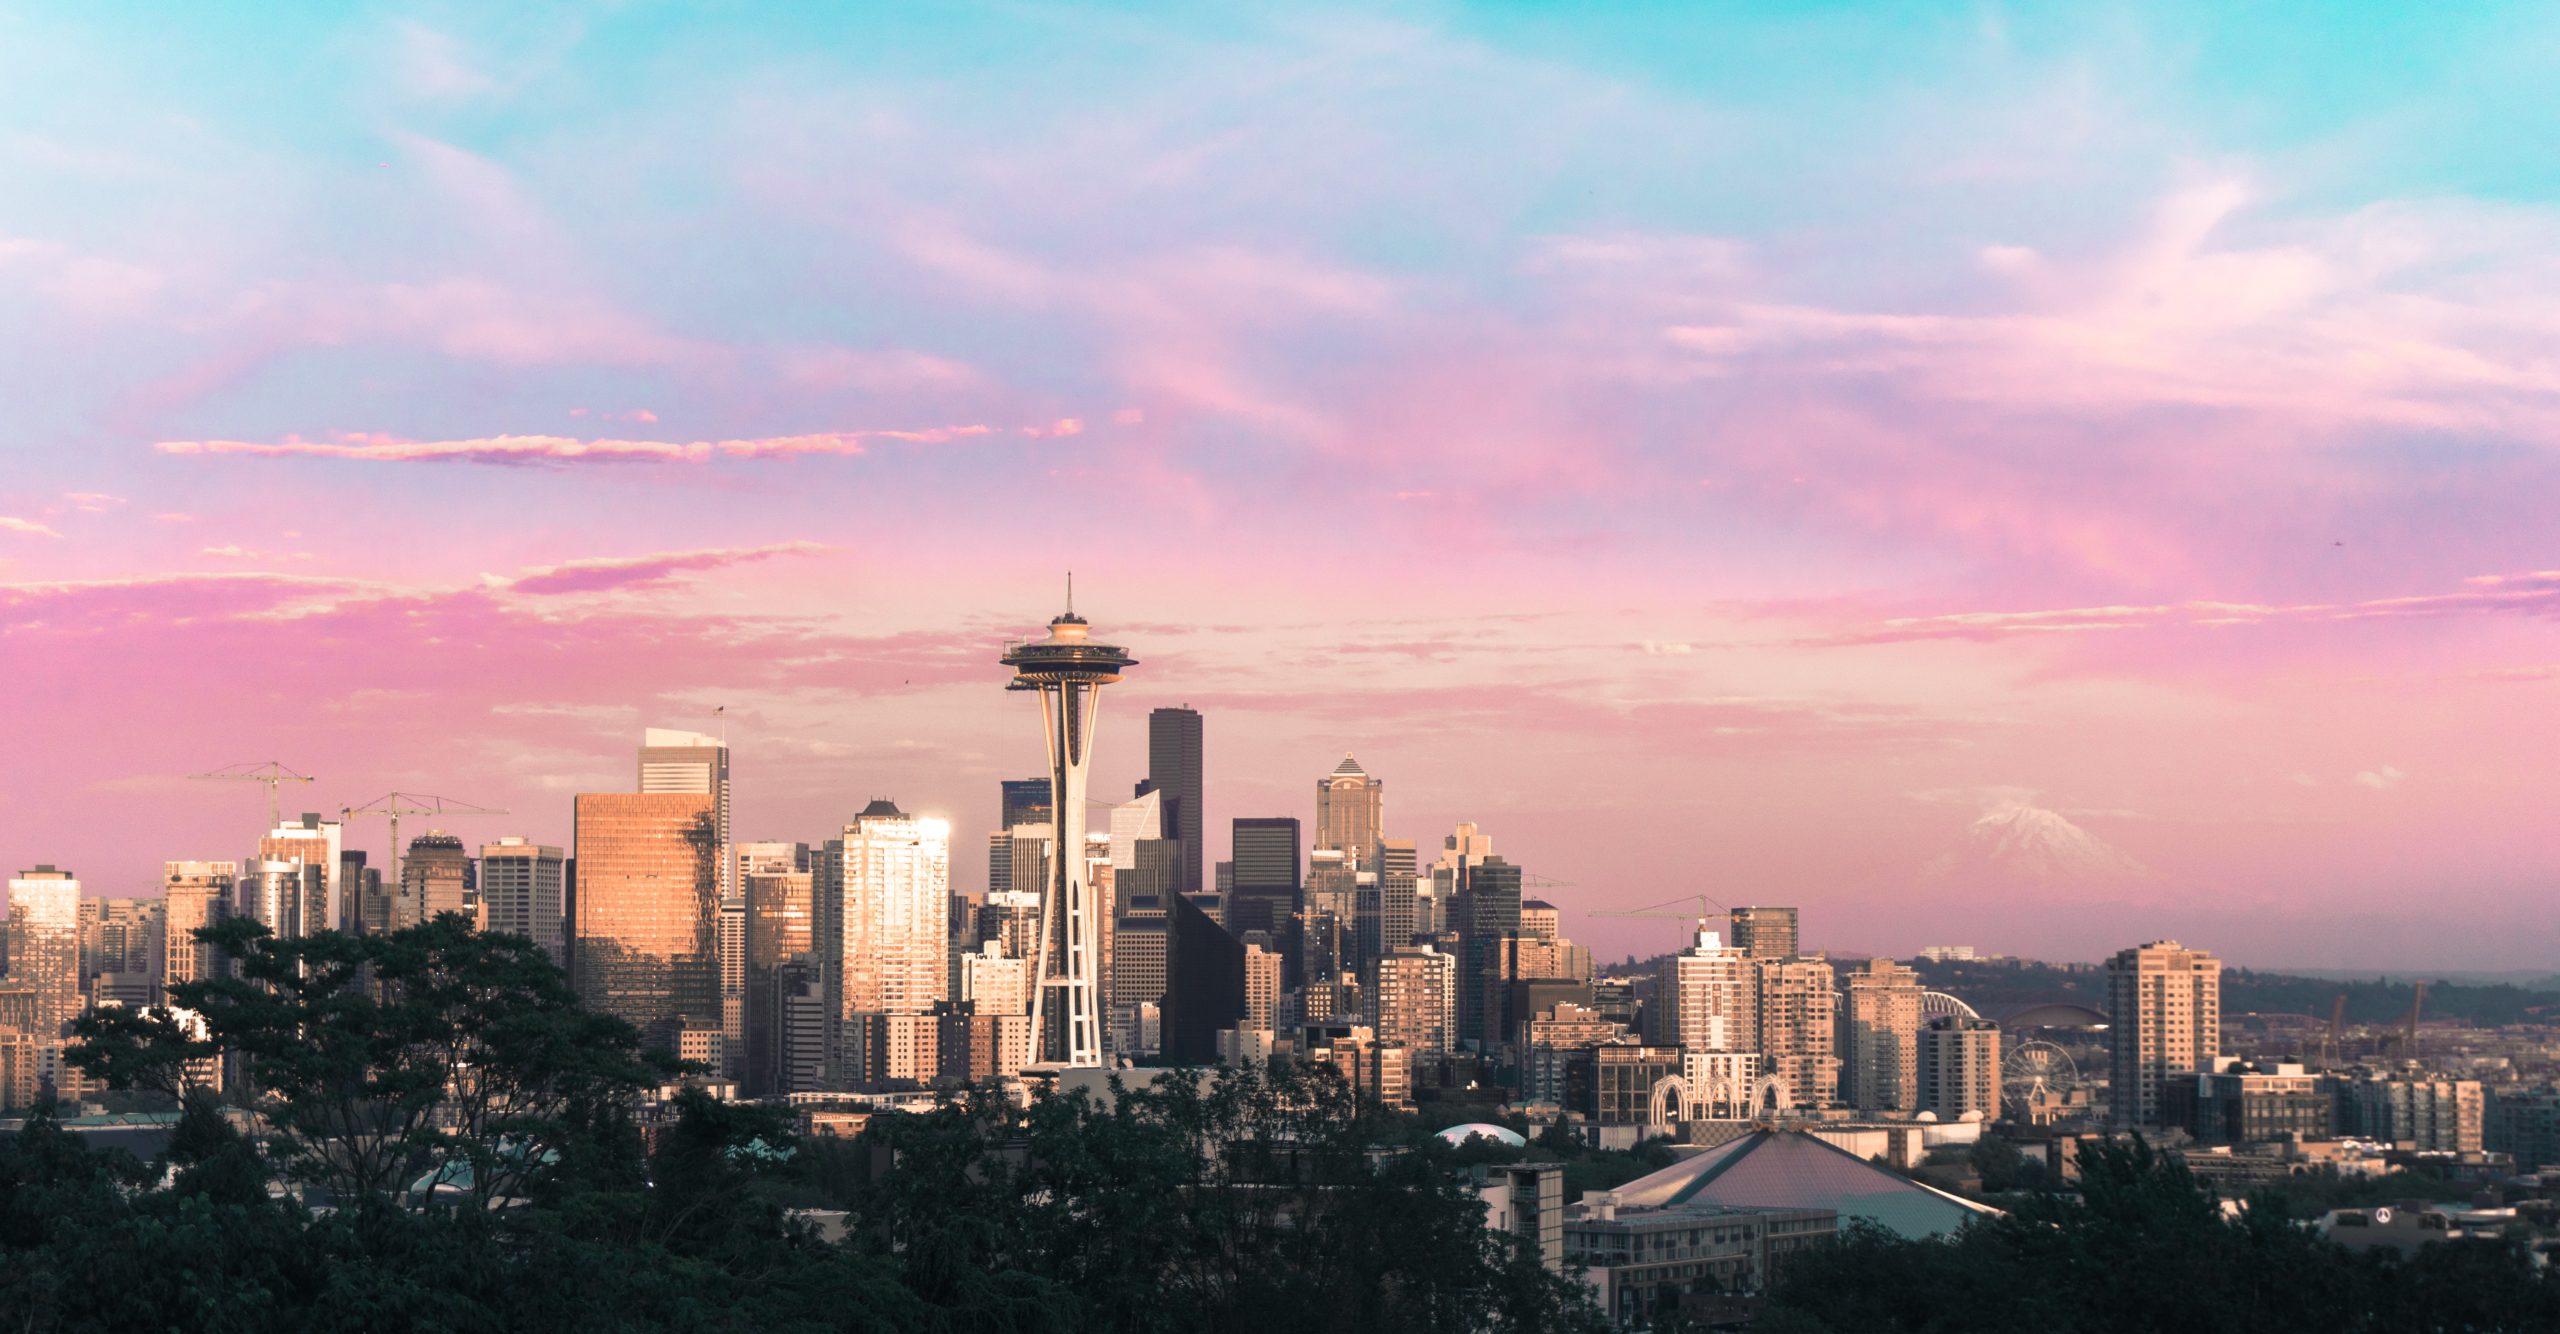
(1718, 449)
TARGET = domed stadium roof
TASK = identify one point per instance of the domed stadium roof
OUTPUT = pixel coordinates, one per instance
(1472, 1129)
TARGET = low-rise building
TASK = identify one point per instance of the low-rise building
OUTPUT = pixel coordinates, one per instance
(1640, 1262)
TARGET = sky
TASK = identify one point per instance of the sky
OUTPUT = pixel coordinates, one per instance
(1725, 450)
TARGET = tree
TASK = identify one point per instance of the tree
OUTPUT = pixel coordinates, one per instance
(435, 1051)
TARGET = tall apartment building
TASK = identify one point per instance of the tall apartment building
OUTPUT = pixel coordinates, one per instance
(523, 887)
(1764, 933)
(1704, 999)
(1261, 988)
(1415, 1001)
(893, 888)
(1880, 1038)
(1959, 1067)
(44, 956)
(643, 945)
(1350, 812)
(194, 895)
(2164, 1016)
(1798, 1016)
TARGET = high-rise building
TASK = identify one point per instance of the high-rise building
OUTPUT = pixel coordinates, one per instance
(1880, 1038)
(1416, 999)
(289, 897)
(1204, 984)
(195, 895)
(521, 887)
(1398, 916)
(895, 879)
(694, 763)
(778, 927)
(1137, 978)
(801, 1026)
(1022, 801)
(643, 941)
(44, 956)
(1261, 987)
(1798, 1018)
(1959, 1067)
(1067, 672)
(431, 879)
(1350, 812)
(317, 844)
(1704, 999)
(1488, 909)
(1265, 894)
(1174, 769)
(2164, 1020)
(1764, 933)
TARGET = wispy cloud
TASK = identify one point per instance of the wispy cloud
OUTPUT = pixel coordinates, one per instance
(601, 574)
(2536, 593)
(543, 450)
(29, 527)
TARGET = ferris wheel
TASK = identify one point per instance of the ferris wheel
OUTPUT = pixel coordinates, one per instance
(2036, 1077)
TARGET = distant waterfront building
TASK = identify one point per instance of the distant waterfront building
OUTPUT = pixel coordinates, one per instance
(2430, 1115)
(1764, 933)
(522, 884)
(2164, 1013)
(1880, 1038)
(1959, 1067)
(1350, 812)
(1175, 769)
(643, 946)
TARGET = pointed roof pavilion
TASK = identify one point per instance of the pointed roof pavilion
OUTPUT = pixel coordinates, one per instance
(1789, 1169)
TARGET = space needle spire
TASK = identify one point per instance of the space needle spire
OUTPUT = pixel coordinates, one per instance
(1067, 671)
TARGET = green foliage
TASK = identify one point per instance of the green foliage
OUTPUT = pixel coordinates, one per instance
(2143, 1246)
(1250, 1201)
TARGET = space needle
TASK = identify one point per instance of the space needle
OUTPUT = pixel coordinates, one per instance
(1068, 670)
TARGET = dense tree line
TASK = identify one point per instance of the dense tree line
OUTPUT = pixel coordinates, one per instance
(2141, 1247)
(446, 1140)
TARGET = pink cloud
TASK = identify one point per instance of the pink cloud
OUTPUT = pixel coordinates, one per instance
(2533, 594)
(26, 527)
(555, 449)
(603, 574)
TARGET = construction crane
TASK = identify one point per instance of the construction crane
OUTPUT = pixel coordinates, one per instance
(396, 804)
(2329, 1045)
(1702, 916)
(270, 772)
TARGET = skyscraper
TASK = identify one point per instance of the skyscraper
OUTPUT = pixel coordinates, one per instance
(521, 886)
(1265, 896)
(693, 763)
(1204, 984)
(431, 879)
(315, 843)
(1959, 1067)
(779, 926)
(1261, 987)
(1174, 768)
(2164, 1019)
(895, 878)
(1488, 910)
(1022, 801)
(1703, 999)
(1416, 999)
(44, 955)
(1067, 671)
(644, 945)
(1350, 809)
(195, 895)
(1398, 915)
(1799, 1023)
(1764, 933)
(1880, 1038)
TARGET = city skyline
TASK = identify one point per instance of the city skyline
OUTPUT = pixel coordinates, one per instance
(2029, 484)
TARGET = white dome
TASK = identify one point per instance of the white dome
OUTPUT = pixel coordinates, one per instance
(1472, 1129)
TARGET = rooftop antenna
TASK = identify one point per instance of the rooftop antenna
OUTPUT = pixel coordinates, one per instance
(1071, 592)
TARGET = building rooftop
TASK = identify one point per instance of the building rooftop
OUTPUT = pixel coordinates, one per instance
(1786, 1169)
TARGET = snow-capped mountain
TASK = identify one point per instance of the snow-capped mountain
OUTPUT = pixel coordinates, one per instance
(2020, 845)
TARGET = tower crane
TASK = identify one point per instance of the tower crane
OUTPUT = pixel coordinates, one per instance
(396, 804)
(270, 772)
(1702, 916)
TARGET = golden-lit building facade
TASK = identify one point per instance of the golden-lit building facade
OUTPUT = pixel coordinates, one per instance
(644, 944)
